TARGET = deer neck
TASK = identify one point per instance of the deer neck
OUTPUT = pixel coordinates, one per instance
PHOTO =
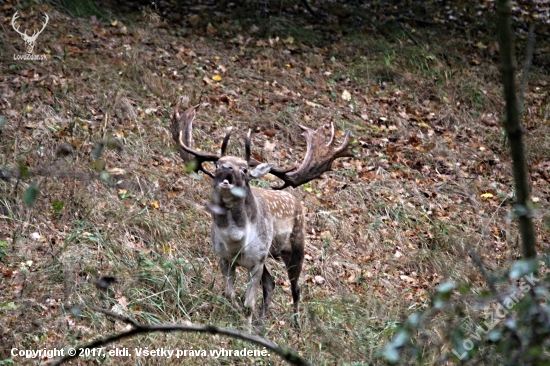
(238, 210)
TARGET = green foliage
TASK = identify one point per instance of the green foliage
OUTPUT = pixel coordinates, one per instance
(57, 206)
(98, 150)
(3, 249)
(8, 306)
(443, 294)
(516, 327)
(190, 166)
(31, 194)
(522, 268)
(23, 170)
(392, 351)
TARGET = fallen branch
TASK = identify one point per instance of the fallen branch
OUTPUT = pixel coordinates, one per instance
(138, 328)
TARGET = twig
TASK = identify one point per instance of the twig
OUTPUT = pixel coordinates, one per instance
(484, 273)
(309, 9)
(122, 318)
(49, 171)
(139, 328)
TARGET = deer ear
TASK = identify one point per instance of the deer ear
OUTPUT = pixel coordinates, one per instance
(260, 170)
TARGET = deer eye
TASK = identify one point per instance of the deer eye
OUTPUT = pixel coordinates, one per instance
(244, 170)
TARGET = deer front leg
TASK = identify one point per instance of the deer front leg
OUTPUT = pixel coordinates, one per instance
(228, 272)
(254, 277)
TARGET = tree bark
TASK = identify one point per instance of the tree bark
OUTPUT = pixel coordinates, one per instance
(512, 125)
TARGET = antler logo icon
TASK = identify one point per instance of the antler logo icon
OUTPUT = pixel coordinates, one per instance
(29, 40)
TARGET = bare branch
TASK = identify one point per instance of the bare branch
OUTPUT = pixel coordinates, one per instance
(490, 281)
(139, 328)
(112, 314)
(48, 171)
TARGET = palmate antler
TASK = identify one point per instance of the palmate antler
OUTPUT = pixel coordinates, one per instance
(318, 159)
(182, 133)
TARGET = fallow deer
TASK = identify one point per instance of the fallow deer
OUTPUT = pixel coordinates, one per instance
(248, 223)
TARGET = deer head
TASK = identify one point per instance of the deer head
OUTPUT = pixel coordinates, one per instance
(249, 223)
(29, 40)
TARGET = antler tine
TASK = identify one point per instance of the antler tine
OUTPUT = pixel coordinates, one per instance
(318, 159)
(247, 146)
(343, 150)
(226, 140)
(182, 133)
(331, 135)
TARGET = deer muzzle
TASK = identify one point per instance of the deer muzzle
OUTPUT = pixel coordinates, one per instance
(224, 178)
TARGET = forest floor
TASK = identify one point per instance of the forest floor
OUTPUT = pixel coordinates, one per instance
(93, 190)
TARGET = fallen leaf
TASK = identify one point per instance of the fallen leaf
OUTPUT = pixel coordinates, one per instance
(289, 40)
(211, 30)
(407, 279)
(480, 45)
(346, 96)
(269, 146)
(311, 104)
(116, 171)
(489, 119)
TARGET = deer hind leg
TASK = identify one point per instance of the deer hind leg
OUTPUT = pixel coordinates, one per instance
(293, 262)
(294, 268)
(268, 284)
(228, 272)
